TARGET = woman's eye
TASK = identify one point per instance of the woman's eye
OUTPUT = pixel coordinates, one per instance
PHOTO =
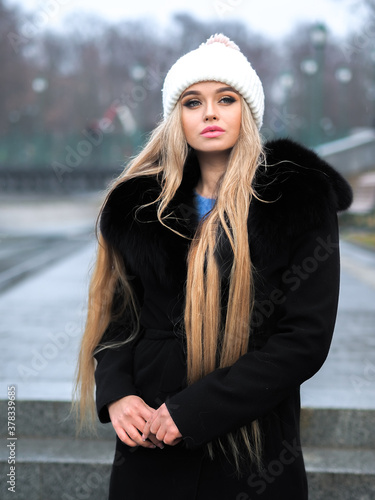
(193, 103)
(227, 100)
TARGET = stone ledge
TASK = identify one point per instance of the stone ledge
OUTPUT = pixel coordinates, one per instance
(53, 450)
(101, 452)
(331, 428)
(72, 470)
(340, 461)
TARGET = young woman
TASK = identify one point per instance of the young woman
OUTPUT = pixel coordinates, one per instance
(214, 294)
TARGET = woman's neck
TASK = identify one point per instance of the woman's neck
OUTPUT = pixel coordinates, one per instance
(212, 167)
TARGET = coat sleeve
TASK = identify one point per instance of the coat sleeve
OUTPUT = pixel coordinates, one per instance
(229, 398)
(114, 370)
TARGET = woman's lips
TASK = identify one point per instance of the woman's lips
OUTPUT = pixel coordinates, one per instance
(212, 131)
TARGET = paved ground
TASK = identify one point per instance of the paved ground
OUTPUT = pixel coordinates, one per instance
(43, 318)
(347, 379)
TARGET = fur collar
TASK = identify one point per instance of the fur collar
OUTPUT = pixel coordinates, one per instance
(298, 173)
(300, 188)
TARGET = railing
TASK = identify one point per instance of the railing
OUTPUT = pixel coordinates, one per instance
(77, 163)
(352, 155)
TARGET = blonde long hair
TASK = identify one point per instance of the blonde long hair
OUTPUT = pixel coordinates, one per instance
(208, 340)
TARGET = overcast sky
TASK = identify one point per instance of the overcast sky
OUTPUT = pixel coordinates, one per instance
(273, 18)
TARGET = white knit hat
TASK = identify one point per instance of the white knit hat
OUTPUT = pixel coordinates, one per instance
(219, 59)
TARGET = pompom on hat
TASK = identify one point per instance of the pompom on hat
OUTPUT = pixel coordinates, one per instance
(218, 59)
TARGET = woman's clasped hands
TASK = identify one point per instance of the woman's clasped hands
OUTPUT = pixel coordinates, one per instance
(137, 424)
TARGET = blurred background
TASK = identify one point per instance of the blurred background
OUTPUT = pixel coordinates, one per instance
(74, 74)
(80, 89)
(80, 82)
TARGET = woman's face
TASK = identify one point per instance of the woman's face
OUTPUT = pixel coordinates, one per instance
(211, 116)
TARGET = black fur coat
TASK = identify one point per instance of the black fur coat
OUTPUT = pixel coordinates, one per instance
(293, 242)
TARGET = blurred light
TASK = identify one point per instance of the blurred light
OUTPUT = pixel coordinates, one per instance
(138, 72)
(309, 66)
(39, 85)
(343, 75)
(286, 80)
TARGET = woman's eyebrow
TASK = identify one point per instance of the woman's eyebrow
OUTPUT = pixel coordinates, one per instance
(217, 91)
(191, 92)
(226, 89)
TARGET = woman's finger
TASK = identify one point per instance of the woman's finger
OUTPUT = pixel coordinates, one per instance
(123, 436)
(146, 412)
(140, 424)
(146, 429)
(160, 434)
(134, 430)
(134, 434)
(156, 441)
